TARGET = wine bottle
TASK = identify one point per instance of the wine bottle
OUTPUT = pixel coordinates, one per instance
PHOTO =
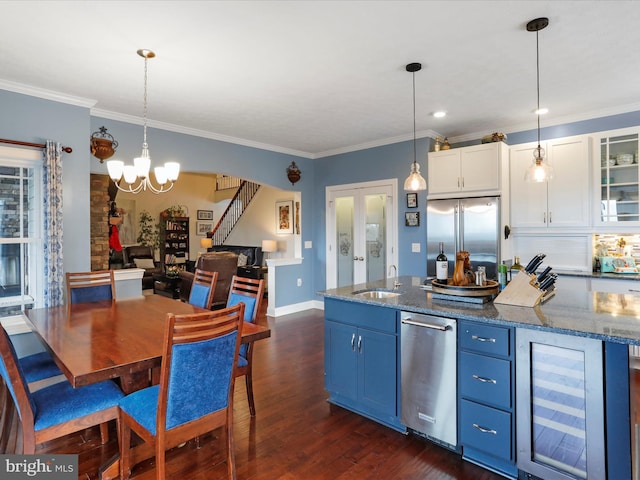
(442, 265)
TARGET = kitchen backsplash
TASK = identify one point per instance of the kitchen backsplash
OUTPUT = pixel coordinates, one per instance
(627, 245)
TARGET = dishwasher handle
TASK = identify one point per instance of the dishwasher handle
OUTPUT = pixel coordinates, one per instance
(434, 326)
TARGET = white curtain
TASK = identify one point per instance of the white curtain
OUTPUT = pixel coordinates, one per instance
(54, 283)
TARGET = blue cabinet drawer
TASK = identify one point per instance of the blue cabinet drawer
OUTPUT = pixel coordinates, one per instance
(361, 315)
(485, 429)
(485, 379)
(485, 338)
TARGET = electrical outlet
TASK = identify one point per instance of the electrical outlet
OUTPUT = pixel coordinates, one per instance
(299, 282)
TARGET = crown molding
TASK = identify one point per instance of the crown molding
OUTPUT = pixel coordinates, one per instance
(552, 122)
(46, 94)
(196, 133)
(377, 143)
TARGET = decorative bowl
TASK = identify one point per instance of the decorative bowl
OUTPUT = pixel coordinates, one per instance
(624, 159)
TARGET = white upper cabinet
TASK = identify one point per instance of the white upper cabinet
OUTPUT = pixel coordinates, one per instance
(616, 178)
(563, 201)
(466, 171)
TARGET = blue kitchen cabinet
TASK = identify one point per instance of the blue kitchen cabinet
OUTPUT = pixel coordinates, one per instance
(486, 396)
(361, 360)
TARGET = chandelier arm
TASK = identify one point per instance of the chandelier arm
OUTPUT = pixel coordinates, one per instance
(137, 189)
(156, 190)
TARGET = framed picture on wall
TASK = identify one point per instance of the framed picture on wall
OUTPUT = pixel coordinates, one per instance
(203, 227)
(205, 214)
(412, 219)
(412, 200)
(284, 217)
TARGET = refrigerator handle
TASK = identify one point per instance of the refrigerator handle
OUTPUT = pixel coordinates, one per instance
(460, 232)
(456, 234)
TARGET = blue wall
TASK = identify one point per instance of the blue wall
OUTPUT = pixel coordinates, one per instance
(202, 155)
(385, 162)
(33, 119)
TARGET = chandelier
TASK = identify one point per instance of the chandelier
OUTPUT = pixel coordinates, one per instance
(136, 176)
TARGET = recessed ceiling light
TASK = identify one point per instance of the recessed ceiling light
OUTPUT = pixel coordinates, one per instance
(541, 111)
(440, 114)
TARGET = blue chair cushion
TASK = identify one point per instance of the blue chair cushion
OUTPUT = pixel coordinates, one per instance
(91, 294)
(249, 306)
(38, 367)
(5, 375)
(143, 406)
(199, 295)
(61, 402)
(199, 380)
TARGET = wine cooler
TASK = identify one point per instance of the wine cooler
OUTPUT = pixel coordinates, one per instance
(560, 406)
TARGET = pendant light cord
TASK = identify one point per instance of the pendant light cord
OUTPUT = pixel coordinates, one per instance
(144, 139)
(538, 84)
(414, 117)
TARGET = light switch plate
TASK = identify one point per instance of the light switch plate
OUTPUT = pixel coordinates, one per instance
(415, 247)
(307, 244)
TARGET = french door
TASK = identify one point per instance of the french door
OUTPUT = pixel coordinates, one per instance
(361, 232)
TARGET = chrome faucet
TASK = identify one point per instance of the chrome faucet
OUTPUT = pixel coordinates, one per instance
(396, 284)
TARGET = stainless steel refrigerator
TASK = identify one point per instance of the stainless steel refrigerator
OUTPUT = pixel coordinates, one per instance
(470, 224)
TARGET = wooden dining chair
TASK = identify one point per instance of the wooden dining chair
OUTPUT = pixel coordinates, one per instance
(195, 393)
(81, 287)
(57, 410)
(250, 292)
(203, 288)
(90, 286)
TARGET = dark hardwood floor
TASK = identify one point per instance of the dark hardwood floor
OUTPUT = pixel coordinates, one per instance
(296, 433)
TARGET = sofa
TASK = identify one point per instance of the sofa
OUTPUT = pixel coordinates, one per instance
(253, 254)
(225, 263)
(138, 256)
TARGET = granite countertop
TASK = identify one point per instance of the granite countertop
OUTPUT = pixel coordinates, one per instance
(613, 276)
(607, 316)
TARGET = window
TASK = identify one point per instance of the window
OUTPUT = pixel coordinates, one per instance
(21, 252)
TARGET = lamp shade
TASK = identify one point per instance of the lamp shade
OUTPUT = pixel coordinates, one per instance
(206, 242)
(269, 246)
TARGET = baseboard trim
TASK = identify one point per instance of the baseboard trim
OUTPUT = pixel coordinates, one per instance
(295, 308)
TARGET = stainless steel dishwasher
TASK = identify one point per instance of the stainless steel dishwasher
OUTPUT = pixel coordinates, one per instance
(428, 356)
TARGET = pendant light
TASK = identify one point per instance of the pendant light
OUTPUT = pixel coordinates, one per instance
(414, 181)
(539, 171)
(139, 171)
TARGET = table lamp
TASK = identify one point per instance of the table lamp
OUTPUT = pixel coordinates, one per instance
(205, 243)
(269, 246)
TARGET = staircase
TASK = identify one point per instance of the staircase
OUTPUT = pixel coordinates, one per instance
(234, 211)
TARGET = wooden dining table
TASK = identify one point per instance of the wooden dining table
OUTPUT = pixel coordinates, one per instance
(97, 341)
(110, 339)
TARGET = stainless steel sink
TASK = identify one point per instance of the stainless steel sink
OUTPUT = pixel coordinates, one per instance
(377, 293)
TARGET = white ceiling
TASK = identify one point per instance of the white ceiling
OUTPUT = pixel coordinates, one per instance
(320, 77)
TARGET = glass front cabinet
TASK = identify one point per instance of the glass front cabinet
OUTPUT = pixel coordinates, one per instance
(617, 160)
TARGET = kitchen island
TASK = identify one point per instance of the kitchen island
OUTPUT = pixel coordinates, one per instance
(363, 371)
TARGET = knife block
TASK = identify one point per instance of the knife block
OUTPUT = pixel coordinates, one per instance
(520, 292)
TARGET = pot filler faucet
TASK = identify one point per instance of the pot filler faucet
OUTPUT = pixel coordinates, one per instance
(396, 284)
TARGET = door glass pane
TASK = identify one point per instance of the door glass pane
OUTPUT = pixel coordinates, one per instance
(558, 408)
(344, 240)
(376, 236)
